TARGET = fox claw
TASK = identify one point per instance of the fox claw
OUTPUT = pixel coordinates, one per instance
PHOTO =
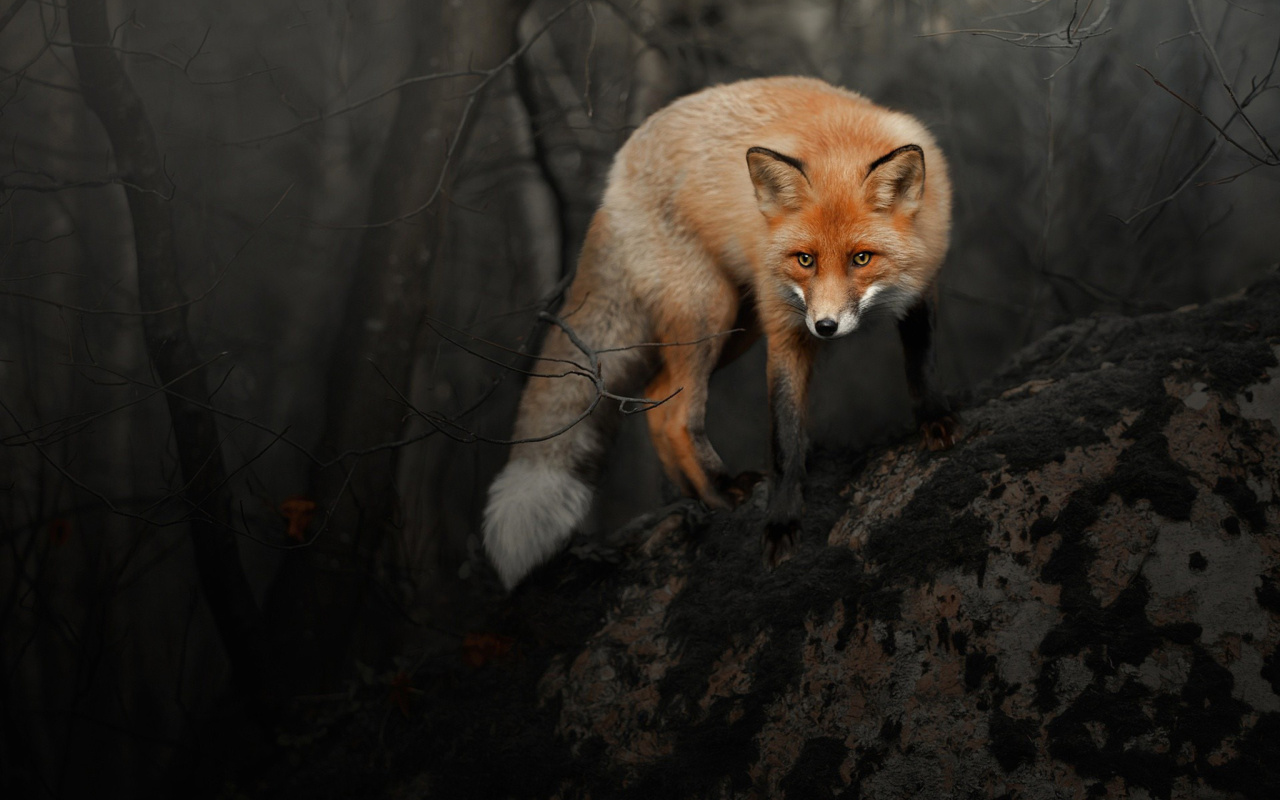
(939, 434)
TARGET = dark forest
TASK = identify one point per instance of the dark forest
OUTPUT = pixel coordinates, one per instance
(271, 272)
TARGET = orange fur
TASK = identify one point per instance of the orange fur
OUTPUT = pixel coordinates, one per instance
(707, 206)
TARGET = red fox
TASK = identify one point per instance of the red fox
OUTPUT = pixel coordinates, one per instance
(782, 206)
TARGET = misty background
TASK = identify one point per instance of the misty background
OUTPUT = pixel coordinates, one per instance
(367, 204)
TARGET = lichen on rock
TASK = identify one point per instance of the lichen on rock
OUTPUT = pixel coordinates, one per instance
(1080, 599)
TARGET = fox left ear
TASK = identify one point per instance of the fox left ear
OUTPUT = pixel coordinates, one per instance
(895, 180)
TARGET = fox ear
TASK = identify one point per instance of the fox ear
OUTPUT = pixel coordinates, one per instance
(780, 182)
(895, 180)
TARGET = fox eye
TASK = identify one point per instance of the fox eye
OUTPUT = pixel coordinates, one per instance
(861, 259)
(804, 259)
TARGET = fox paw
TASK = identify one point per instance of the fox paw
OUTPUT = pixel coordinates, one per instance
(779, 542)
(737, 490)
(940, 434)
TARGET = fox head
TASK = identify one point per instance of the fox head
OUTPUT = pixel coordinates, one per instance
(846, 239)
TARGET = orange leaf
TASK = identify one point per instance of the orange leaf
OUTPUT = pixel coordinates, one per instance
(299, 511)
(481, 648)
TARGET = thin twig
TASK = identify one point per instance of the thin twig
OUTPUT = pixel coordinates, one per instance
(10, 13)
(1226, 84)
(1269, 161)
(167, 309)
(473, 97)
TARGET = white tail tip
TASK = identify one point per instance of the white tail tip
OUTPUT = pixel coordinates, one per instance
(532, 511)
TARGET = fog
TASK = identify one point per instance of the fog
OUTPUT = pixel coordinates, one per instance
(313, 284)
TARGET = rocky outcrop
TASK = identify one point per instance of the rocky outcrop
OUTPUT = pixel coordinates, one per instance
(1081, 599)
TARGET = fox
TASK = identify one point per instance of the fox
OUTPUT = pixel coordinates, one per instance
(785, 207)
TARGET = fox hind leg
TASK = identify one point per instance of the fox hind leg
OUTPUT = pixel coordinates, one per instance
(659, 417)
(678, 424)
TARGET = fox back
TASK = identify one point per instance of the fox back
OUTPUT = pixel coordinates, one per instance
(684, 172)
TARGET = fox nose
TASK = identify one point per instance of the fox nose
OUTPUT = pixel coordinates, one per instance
(826, 327)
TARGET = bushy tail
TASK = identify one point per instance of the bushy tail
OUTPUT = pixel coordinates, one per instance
(544, 492)
(533, 509)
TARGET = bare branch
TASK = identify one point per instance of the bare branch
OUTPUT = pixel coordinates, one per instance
(1198, 32)
(36, 435)
(182, 66)
(10, 13)
(1258, 88)
(591, 371)
(1186, 181)
(177, 306)
(1269, 161)
(464, 119)
(85, 184)
(1071, 37)
(324, 116)
(112, 98)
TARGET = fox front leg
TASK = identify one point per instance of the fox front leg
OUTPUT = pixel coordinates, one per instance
(790, 366)
(938, 425)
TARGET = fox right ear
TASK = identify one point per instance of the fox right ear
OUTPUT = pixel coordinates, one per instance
(780, 182)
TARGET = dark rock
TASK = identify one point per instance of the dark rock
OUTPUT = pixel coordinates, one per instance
(1078, 599)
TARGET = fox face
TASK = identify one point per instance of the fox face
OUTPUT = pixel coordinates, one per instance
(842, 245)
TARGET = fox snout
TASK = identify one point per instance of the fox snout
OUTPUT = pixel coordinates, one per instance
(832, 320)
(832, 323)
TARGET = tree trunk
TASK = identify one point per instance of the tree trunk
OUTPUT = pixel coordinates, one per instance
(112, 98)
(321, 607)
